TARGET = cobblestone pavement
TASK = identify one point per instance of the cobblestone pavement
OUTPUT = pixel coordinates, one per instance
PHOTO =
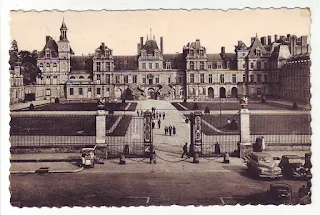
(53, 166)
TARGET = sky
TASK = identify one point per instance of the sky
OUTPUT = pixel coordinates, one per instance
(121, 30)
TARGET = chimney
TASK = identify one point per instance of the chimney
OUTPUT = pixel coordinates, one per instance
(293, 45)
(141, 43)
(161, 45)
(138, 48)
(252, 40)
(239, 42)
(269, 39)
(223, 52)
(47, 38)
(263, 41)
(275, 38)
(283, 38)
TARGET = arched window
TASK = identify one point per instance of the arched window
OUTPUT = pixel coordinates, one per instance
(48, 65)
(89, 77)
(222, 79)
(81, 77)
(72, 77)
(55, 65)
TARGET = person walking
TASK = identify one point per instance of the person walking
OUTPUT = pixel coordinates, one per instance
(228, 124)
(185, 150)
(170, 130)
(137, 112)
(157, 114)
(263, 144)
(165, 130)
(163, 114)
(174, 130)
(159, 123)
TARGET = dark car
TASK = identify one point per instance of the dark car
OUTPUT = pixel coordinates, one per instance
(292, 167)
(280, 193)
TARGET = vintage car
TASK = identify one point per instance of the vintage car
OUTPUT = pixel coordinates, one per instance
(292, 167)
(88, 157)
(262, 165)
(280, 193)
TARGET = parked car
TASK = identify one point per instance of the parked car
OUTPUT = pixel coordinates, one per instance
(280, 193)
(292, 167)
(262, 165)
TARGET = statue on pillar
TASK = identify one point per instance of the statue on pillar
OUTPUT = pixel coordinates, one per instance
(244, 102)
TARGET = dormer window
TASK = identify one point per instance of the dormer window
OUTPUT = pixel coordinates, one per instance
(107, 54)
(156, 53)
(168, 65)
(191, 52)
(258, 52)
(143, 52)
(228, 65)
(219, 65)
(209, 65)
(41, 65)
(48, 65)
(201, 52)
(48, 54)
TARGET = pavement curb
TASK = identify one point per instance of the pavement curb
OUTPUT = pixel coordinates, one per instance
(50, 171)
(43, 160)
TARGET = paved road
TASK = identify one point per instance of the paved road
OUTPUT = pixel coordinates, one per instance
(125, 189)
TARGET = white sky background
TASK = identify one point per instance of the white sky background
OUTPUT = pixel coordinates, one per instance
(121, 30)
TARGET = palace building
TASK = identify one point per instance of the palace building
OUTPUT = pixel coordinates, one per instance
(192, 74)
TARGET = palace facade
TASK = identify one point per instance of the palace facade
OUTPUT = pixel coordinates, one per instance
(192, 74)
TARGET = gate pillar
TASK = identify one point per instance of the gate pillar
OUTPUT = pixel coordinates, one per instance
(245, 145)
(101, 127)
(196, 132)
(147, 133)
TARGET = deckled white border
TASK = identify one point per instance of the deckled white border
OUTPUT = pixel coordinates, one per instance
(7, 5)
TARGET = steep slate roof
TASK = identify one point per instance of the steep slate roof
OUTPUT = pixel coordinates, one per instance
(241, 46)
(229, 57)
(176, 60)
(52, 46)
(256, 44)
(125, 62)
(101, 50)
(81, 63)
(150, 46)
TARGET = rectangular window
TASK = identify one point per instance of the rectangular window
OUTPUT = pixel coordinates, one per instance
(168, 65)
(210, 78)
(259, 65)
(191, 78)
(107, 89)
(89, 89)
(98, 77)
(258, 53)
(201, 65)
(144, 79)
(222, 79)
(71, 91)
(134, 79)
(125, 79)
(191, 65)
(209, 65)
(157, 79)
(107, 78)
(265, 78)
(157, 65)
(169, 80)
(107, 66)
(234, 78)
(55, 76)
(117, 79)
(201, 78)
(150, 65)
(259, 78)
(143, 65)
(48, 92)
(251, 78)
(265, 65)
(251, 65)
(201, 52)
(80, 91)
(98, 66)
(98, 91)
(244, 78)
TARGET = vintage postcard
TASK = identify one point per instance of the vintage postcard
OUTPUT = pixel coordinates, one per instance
(160, 108)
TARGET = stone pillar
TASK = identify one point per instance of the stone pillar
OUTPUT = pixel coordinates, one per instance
(101, 127)
(245, 146)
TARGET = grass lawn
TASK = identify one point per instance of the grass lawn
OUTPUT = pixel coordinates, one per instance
(229, 106)
(260, 124)
(82, 107)
(122, 127)
(54, 126)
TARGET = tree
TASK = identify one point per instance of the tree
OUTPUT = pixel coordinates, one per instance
(29, 72)
(206, 110)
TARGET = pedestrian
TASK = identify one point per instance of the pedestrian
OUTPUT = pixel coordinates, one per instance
(263, 143)
(157, 114)
(228, 123)
(174, 130)
(159, 123)
(141, 112)
(153, 124)
(165, 130)
(170, 130)
(163, 114)
(154, 115)
(137, 112)
(191, 150)
(185, 150)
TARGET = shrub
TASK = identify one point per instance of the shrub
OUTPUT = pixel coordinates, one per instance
(184, 100)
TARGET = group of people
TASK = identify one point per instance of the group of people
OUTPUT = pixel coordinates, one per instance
(154, 124)
(232, 124)
(171, 130)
